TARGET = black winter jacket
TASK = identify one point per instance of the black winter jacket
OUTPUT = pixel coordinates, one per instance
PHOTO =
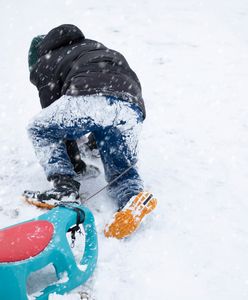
(69, 64)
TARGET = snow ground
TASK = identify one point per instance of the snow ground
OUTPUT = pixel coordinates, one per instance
(192, 59)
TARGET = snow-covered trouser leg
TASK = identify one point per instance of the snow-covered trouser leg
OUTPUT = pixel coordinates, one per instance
(118, 149)
(48, 131)
(115, 124)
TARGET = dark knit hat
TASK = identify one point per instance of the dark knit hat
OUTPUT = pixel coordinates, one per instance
(33, 51)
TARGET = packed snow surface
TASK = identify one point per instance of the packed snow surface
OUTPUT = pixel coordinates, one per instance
(192, 59)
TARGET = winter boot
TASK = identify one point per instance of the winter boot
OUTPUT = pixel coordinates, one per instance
(128, 219)
(65, 190)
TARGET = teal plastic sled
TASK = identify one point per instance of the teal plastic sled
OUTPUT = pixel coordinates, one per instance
(30, 246)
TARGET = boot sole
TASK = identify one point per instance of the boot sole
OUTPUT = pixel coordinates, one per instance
(37, 203)
(131, 216)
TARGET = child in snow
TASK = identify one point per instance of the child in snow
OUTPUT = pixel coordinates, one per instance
(86, 87)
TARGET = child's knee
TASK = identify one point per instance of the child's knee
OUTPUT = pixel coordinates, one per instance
(33, 128)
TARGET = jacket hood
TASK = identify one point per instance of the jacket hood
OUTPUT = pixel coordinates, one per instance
(33, 51)
(62, 35)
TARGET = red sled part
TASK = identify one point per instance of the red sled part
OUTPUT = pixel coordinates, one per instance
(24, 240)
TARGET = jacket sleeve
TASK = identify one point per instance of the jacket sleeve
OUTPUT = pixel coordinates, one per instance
(74, 154)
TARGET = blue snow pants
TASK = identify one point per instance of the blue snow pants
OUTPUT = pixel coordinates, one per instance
(115, 124)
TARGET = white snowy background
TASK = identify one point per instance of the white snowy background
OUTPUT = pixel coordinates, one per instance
(192, 59)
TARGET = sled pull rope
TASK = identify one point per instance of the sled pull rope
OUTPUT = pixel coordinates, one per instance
(111, 182)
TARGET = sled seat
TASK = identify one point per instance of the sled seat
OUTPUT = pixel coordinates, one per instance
(25, 240)
(31, 246)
